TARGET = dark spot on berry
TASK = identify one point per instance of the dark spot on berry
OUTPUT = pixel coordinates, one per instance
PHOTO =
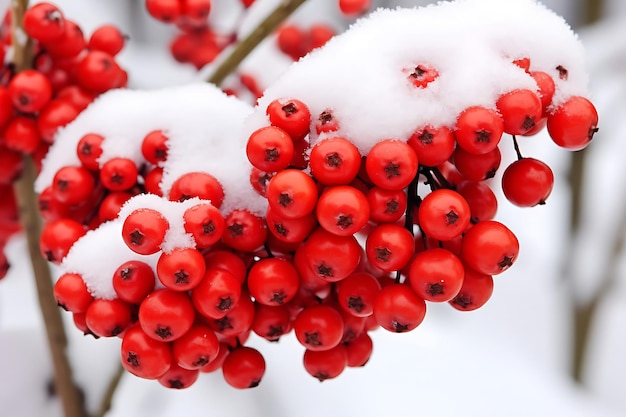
(163, 332)
(398, 327)
(426, 137)
(44, 205)
(62, 185)
(184, 197)
(208, 228)
(392, 170)
(474, 220)
(53, 16)
(85, 149)
(272, 154)
(592, 131)
(382, 254)
(528, 123)
(117, 178)
(482, 136)
(132, 359)
(451, 217)
(202, 360)
(182, 277)
(325, 117)
(254, 383)
(274, 332)
(356, 304)
(160, 154)
(116, 330)
(325, 271)
(344, 221)
(235, 229)
(392, 206)
(321, 376)
(175, 383)
(225, 303)
(418, 72)
(50, 256)
(278, 297)
(59, 304)
(506, 262)
(312, 339)
(280, 229)
(284, 199)
(23, 100)
(491, 173)
(289, 109)
(462, 301)
(333, 160)
(223, 323)
(435, 289)
(136, 237)
(563, 73)
(126, 273)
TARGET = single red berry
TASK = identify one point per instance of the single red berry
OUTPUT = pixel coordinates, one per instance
(181, 269)
(143, 231)
(489, 247)
(98, 72)
(386, 206)
(327, 364)
(273, 281)
(237, 320)
(144, 356)
(58, 237)
(21, 135)
(72, 185)
(166, 11)
(318, 327)
(111, 205)
(217, 293)
(573, 123)
(271, 322)
(108, 318)
(270, 149)
(196, 348)
(291, 40)
(342, 210)
(292, 116)
(177, 377)
(475, 291)
(546, 87)
(354, 8)
(89, 149)
(444, 214)
(331, 257)
(107, 38)
(119, 174)
(422, 75)
(154, 147)
(357, 292)
(290, 230)
(133, 281)
(292, 194)
(527, 182)
(391, 164)
(55, 115)
(71, 293)
(389, 247)
(477, 167)
(481, 200)
(30, 91)
(228, 261)
(478, 129)
(398, 309)
(166, 315)
(432, 146)
(243, 368)
(245, 231)
(205, 223)
(436, 275)
(520, 110)
(70, 44)
(335, 161)
(197, 184)
(44, 22)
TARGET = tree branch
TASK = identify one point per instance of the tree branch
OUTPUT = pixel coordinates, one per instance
(243, 49)
(27, 204)
(105, 404)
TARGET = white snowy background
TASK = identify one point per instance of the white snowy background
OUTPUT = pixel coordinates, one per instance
(509, 358)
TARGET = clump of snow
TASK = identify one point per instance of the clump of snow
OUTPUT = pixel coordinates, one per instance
(202, 124)
(362, 75)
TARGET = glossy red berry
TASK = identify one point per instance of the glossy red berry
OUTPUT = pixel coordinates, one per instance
(133, 281)
(444, 214)
(342, 210)
(291, 115)
(72, 185)
(292, 194)
(357, 292)
(273, 281)
(30, 91)
(527, 182)
(389, 247)
(89, 149)
(205, 223)
(432, 145)
(398, 309)
(197, 184)
(108, 318)
(44, 22)
(327, 364)
(57, 237)
(154, 147)
(217, 293)
(422, 75)
(166, 315)
(143, 231)
(489, 247)
(270, 149)
(107, 38)
(243, 368)
(119, 174)
(181, 269)
(475, 291)
(520, 110)
(196, 348)
(318, 327)
(391, 164)
(478, 129)
(573, 123)
(71, 293)
(335, 161)
(144, 356)
(436, 275)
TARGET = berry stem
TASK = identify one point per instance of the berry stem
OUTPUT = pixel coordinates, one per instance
(413, 201)
(243, 49)
(442, 180)
(516, 146)
(430, 179)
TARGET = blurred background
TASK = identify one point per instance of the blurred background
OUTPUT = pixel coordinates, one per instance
(549, 342)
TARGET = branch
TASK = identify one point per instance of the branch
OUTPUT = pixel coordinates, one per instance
(29, 217)
(105, 404)
(243, 49)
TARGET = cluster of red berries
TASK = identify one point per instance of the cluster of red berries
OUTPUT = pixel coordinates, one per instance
(296, 41)
(69, 71)
(197, 44)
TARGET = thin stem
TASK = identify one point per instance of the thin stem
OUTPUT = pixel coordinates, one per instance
(412, 201)
(243, 49)
(516, 146)
(430, 179)
(442, 180)
(105, 404)
(69, 394)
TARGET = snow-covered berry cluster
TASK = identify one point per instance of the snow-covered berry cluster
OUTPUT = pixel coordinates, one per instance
(356, 192)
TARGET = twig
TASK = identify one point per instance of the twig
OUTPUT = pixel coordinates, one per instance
(243, 49)
(105, 404)
(27, 204)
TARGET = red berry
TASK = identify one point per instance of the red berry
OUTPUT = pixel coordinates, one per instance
(55, 115)
(69, 44)
(98, 72)
(217, 293)
(270, 149)
(475, 291)
(72, 185)
(389, 247)
(178, 378)
(335, 161)
(108, 318)
(290, 115)
(331, 257)
(71, 293)
(273, 281)
(107, 38)
(444, 214)
(196, 348)
(118, 174)
(478, 130)
(357, 292)
(58, 237)
(197, 184)
(133, 281)
(21, 135)
(44, 22)
(154, 147)
(422, 75)
(30, 91)
(292, 194)
(573, 124)
(318, 327)
(144, 356)
(327, 364)
(386, 206)
(89, 149)
(436, 275)
(527, 182)
(353, 8)
(342, 210)
(245, 231)
(432, 146)
(181, 269)
(398, 309)
(520, 111)
(243, 368)
(166, 315)
(166, 11)
(205, 223)
(143, 231)
(391, 164)
(489, 247)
